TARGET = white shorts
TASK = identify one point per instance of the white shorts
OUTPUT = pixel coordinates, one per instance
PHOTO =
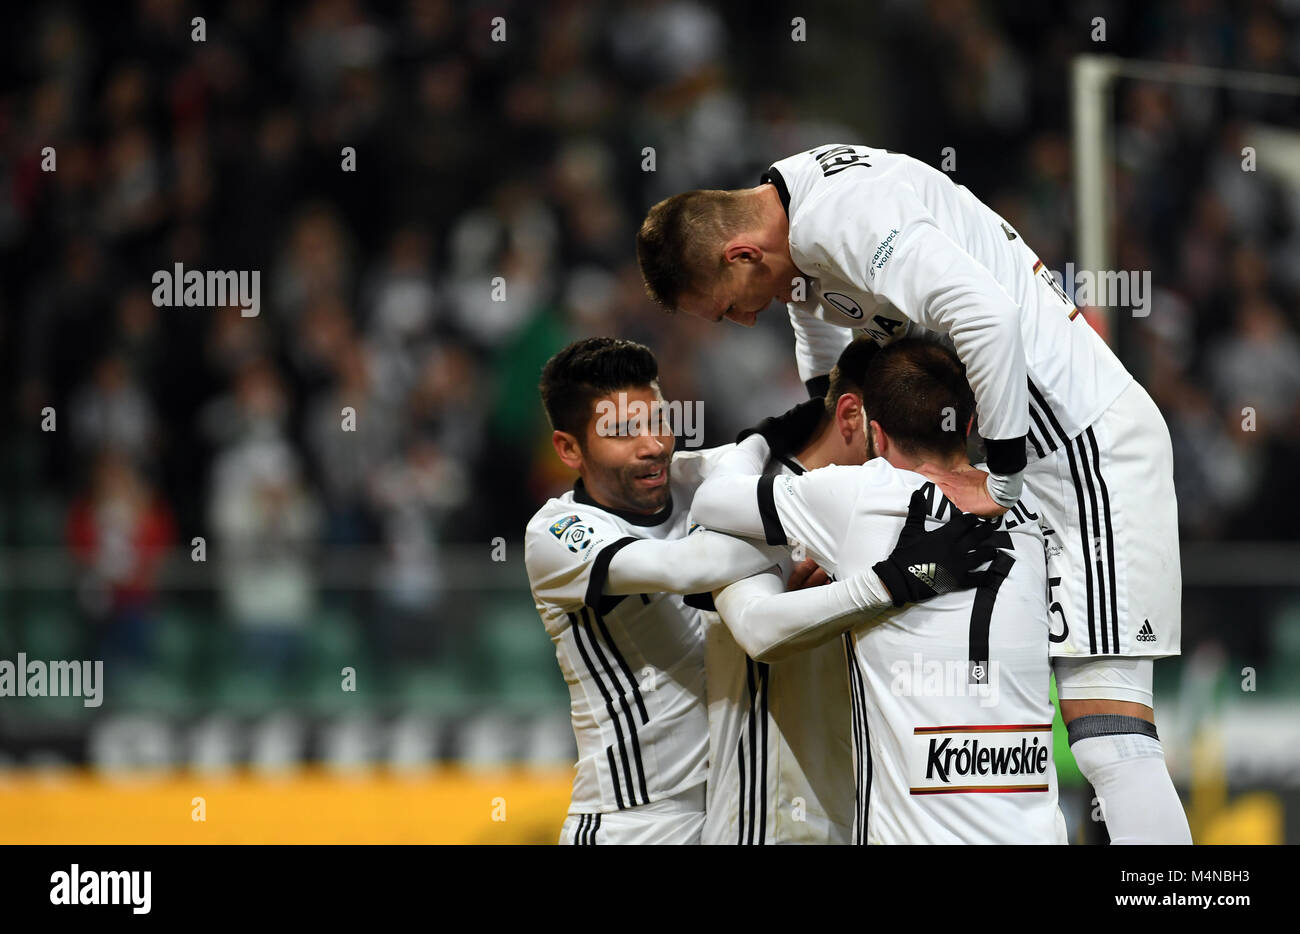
(675, 821)
(1108, 499)
(1121, 679)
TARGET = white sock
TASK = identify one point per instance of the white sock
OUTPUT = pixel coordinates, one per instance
(1122, 758)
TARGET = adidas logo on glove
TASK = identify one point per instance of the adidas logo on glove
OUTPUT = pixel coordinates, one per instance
(925, 574)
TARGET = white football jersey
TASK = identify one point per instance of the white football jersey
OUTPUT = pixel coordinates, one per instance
(893, 247)
(634, 664)
(951, 714)
(780, 754)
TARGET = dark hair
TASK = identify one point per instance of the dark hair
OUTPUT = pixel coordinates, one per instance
(917, 390)
(850, 371)
(581, 373)
(680, 240)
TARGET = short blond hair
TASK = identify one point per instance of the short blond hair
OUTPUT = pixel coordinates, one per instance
(679, 245)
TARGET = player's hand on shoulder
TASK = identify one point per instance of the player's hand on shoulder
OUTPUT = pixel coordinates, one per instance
(967, 489)
(925, 564)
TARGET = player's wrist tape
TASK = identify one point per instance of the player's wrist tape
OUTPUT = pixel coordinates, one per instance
(1005, 490)
(1108, 724)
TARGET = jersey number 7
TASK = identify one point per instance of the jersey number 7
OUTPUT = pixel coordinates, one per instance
(981, 614)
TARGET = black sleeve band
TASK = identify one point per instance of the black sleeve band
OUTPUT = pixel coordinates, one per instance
(772, 530)
(700, 601)
(1006, 456)
(818, 386)
(600, 570)
(1108, 724)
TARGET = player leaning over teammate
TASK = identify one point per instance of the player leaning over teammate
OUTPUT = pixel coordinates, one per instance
(605, 562)
(951, 706)
(869, 239)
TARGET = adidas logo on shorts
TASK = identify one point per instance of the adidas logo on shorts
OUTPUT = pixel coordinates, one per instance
(1146, 634)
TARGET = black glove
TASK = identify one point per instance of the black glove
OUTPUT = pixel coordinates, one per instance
(924, 564)
(787, 433)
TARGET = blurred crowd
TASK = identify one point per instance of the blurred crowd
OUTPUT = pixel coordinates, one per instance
(490, 219)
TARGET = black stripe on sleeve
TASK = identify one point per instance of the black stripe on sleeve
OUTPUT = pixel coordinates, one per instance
(600, 570)
(772, 530)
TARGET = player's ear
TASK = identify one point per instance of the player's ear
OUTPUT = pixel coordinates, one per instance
(741, 247)
(848, 415)
(567, 449)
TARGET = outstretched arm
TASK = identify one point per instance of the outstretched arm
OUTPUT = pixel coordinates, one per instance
(770, 623)
(699, 563)
(579, 558)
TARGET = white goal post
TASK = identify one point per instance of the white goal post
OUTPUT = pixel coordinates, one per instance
(1092, 79)
(1260, 564)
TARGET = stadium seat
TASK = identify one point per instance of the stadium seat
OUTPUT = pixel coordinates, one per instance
(247, 692)
(434, 689)
(149, 689)
(519, 658)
